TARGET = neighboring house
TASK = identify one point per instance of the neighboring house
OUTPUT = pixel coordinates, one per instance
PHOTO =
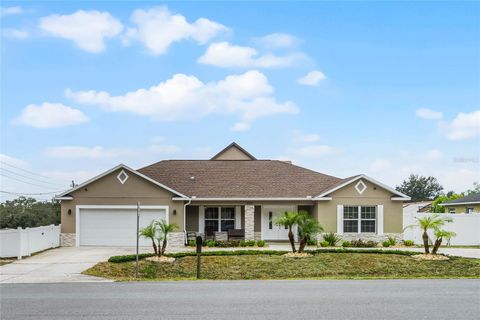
(414, 207)
(232, 190)
(468, 204)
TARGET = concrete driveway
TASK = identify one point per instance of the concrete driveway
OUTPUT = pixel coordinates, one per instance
(63, 264)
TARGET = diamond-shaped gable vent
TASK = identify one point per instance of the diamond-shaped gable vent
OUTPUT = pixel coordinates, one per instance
(122, 177)
(360, 187)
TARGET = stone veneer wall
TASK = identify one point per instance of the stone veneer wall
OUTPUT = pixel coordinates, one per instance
(367, 237)
(67, 239)
(176, 239)
(249, 222)
(258, 236)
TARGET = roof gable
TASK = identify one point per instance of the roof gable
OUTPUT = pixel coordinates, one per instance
(127, 170)
(233, 152)
(346, 182)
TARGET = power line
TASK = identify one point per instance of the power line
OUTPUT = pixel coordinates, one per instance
(27, 182)
(24, 176)
(31, 172)
(29, 194)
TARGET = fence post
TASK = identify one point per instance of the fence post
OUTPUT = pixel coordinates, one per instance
(19, 233)
(27, 242)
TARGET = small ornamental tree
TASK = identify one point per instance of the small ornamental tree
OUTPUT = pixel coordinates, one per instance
(157, 232)
(149, 232)
(308, 228)
(430, 222)
(289, 220)
(164, 228)
(440, 235)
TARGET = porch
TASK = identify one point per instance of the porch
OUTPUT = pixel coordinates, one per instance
(253, 221)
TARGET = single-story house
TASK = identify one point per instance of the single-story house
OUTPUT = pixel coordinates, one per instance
(468, 204)
(231, 191)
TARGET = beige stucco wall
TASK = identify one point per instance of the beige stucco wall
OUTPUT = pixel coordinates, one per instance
(233, 153)
(462, 208)
(326, 211)
(109, 191)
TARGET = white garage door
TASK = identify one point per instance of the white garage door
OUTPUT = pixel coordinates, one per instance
(114, 227)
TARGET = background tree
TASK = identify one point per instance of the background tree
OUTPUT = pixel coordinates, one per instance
(28, 213)
(420, 188)
(289, 220)
(475, 189)
(436, 207)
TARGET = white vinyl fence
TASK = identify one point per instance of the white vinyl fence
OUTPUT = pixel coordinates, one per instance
(23, 242)
(466, 226)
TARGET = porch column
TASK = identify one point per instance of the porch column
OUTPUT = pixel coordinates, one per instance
(249, 222)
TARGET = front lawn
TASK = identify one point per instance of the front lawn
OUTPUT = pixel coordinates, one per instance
(344, 265)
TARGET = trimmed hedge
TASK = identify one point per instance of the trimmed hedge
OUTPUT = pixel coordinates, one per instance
(132, 257)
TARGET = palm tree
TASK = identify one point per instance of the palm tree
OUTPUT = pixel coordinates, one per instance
(289, 220)
(150, 232)
(307, 228)
(440, 234)
(431, 222)
(164, 229)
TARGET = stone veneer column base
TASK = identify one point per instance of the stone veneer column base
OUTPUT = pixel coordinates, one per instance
(371, 237)
(257, 235)
(249, 222)
(176, 239)
(67, 239)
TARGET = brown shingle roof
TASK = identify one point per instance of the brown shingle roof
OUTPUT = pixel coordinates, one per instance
(236, 178)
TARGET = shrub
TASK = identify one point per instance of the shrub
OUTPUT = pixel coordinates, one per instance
(363, 244)
(129, 257)
(331, 238)
(346, 244)
(243, 243)
(211, 243)
(250, 243)
(192, 243)
(392, 241)
(408, 243)
(324, 243)
(312, 242)
(261, 243)
(386, 244)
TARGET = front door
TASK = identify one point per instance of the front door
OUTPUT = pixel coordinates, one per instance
(271, 231)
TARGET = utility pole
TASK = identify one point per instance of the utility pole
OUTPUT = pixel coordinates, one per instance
(138, 226)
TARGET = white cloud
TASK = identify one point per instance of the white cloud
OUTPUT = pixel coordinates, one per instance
(7, 11)
(50, 115)
(13, 161)
(87, 29)
(464, 126)
(159, 145)
(248, 95)
(223, 54)
(312, 151)
(433, 154)
(158, 28)
(298, 136)
(428, 114)
(277, 40)
(380, 165)
(312, 78)
(14, 33)
(79, 152)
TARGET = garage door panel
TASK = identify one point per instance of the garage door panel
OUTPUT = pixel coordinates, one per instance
(115, 227)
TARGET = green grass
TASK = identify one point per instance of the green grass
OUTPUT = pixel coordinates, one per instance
(326, 265)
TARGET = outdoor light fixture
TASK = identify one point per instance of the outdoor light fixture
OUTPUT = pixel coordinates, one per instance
(69, 212)
(174, 212)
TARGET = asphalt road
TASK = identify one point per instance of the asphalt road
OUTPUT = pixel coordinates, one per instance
(341, 299)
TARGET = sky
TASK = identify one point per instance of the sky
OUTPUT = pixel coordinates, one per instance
(380, 88)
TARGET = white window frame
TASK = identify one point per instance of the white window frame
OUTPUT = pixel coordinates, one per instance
(451, 210)
(359, 219)
(219, 208)
(470, 210)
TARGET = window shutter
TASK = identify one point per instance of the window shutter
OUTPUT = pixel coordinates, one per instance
(238, 217)
(339, 219)
(201, 219)
(380, 219)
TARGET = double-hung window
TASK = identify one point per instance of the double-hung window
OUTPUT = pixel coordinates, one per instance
(219, 218)
(360, 219)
